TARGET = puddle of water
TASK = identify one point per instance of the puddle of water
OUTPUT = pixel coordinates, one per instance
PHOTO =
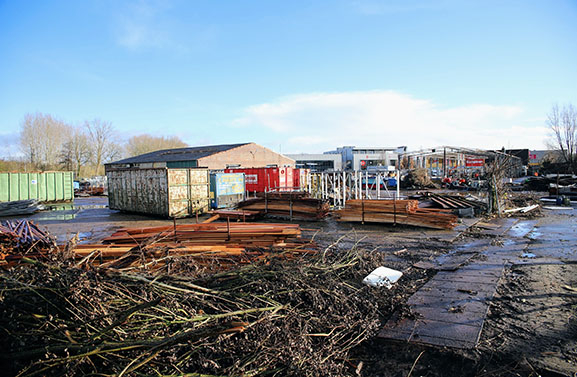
(520, 229)
(528, 255)
(55, 215)
(535, 234)
(71, 207)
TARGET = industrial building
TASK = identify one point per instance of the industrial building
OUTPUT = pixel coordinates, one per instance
(351, 158)
(213, 157)
(318, 162)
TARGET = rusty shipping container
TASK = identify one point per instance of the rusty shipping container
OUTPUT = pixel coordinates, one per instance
(159, 191)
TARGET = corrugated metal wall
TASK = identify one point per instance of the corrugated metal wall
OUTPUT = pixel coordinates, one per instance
(57, 186)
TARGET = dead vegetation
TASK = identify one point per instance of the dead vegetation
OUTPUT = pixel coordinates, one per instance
(418, 178)
(284, 317)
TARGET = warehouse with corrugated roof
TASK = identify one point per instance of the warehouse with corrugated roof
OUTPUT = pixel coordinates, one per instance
(213, 157)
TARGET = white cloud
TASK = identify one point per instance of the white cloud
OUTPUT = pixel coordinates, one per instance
(317, 122)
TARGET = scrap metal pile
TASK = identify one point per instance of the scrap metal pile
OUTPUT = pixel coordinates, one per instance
(22, 237)
(285, 317)
(406, 212)
(289, 204)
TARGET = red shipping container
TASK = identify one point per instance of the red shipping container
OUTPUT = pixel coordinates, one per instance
(266, 179)
(300, 179)
(297, 178)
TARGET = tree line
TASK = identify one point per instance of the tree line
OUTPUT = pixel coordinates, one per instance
(49, 143)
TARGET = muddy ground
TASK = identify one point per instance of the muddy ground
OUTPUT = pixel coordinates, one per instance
(531, 327)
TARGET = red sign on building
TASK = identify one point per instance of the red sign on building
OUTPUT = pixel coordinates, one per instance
(471, 161)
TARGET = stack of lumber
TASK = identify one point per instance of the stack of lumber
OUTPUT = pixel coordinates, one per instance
(218, 245)
(20, 207)
(406, 212)
(283, 194)
(288, 204)
(237, 214)
(242, 234)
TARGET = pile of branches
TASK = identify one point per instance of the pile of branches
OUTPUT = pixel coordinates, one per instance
(418, 178)
(283, 317)
(498, 190)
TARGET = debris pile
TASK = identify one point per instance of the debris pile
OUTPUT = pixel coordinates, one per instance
(418, 178)
(22, 237)
(288, 204)
(287, 317)
(20, 207)
(406, 212)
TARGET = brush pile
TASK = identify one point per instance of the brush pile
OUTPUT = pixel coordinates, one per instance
(285, 317)
(289, 204)
(406, 212)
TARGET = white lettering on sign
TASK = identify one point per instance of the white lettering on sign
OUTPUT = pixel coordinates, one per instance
(251, 179)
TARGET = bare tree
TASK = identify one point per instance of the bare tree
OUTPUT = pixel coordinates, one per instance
(41, 139)
(563, 125)
(101, 136)
(145, 143)
(76, 152)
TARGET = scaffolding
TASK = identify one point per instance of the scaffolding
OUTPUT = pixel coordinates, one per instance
(340, 186)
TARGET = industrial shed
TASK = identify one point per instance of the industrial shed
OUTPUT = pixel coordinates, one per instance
(213, 157)
(176, 182)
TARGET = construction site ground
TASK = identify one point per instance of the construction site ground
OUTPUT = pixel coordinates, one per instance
(493, 297)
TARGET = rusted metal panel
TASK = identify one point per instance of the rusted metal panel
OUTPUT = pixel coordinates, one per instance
(161, 192)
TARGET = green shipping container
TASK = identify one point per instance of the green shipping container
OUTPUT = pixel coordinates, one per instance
(48, 186)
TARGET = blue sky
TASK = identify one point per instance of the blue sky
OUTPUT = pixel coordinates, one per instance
(295, 76)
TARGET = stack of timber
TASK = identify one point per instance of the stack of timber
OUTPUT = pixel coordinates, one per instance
(289, 204)
(252, 234)
(20, 207)
(237, 214)
(216, 246)
(406, 212)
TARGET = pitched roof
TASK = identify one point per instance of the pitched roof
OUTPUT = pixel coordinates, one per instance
(178, 154)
